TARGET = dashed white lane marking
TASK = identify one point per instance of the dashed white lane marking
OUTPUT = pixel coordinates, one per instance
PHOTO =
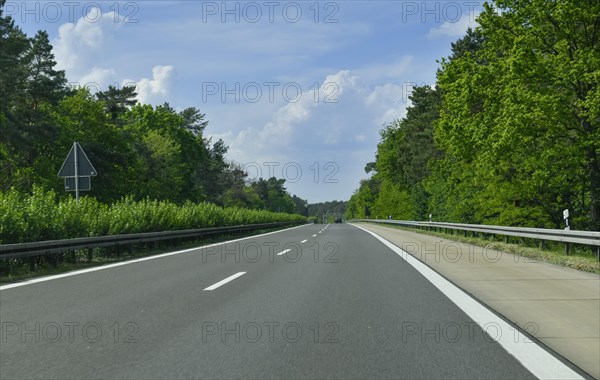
(283, 252)
(226, 280)
(304, 241)
(315, 235)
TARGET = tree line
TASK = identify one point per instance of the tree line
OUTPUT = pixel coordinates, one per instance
(509, 134)
(139, 150)
(330, 210)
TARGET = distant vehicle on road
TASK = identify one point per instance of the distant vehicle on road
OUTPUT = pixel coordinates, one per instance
(338, 220)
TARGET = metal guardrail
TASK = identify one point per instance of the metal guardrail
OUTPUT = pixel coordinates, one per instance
(43, 248)
(590, 238)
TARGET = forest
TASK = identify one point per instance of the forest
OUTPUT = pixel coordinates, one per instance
(137, 149)
(142, 153)
(510, 132)
(330, 210)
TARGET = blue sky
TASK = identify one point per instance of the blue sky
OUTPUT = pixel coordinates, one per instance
(298, 90)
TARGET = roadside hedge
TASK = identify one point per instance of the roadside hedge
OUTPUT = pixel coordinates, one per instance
(43, 215)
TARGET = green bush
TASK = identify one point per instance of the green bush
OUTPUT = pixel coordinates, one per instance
(43, 215)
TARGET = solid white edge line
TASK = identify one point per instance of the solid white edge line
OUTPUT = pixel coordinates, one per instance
(304, 241)
(133, 261)
(225, 280)
(532, 356)
(284, 252)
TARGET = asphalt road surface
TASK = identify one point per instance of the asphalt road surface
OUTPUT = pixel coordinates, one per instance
(307, 302)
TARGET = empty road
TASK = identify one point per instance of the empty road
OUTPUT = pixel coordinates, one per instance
(313, 301)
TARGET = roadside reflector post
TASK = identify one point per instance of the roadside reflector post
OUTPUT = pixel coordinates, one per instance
(567, 227)
(566, 218)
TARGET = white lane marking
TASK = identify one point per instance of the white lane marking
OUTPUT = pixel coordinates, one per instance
(533, 357)
(283, 252)
(320, 231)
(226, 280)
(88, 270)
(315, 235)
(304, 241)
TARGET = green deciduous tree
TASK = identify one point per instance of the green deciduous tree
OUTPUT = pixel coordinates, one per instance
(519, 113)
(510, 135)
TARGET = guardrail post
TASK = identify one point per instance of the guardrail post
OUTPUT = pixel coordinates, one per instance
(31, 263)
(567, 248)
(90, 254)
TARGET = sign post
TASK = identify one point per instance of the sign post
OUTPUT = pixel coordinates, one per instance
(77, 170)
(75, 154)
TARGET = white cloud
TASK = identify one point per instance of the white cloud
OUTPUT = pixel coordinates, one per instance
(391, 99)
(89, 42)
(454, 29)
(98, 79)
(79, 44)
(285, 123)
(343, 131)
(156, 90)
(309, 131)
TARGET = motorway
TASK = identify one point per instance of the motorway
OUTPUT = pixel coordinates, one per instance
(313, 301)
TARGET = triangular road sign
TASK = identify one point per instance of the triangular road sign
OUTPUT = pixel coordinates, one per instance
(84, 166)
